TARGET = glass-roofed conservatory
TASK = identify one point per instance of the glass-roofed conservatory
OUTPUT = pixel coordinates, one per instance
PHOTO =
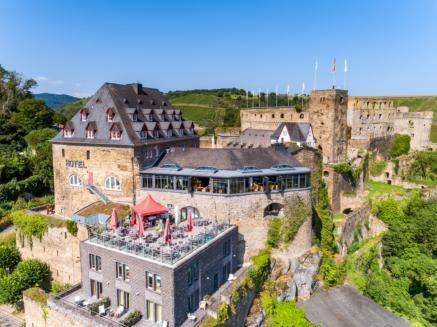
(210, 180)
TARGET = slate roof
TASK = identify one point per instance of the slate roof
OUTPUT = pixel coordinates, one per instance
(252, 138)
(228, 159)
(126, 102)
(343, 306)
(298, 131)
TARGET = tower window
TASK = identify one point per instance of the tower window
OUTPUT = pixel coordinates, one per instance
(88, 154)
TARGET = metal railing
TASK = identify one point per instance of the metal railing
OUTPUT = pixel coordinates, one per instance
(169, 254)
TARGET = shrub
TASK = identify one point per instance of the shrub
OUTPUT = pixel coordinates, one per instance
(224, 313)
(274, 232)
(388, 210)
(296, 212)
(8, 239)
(72, 227)
(259, 272)
(347, 171)
(94, 307)
(132, 318)
(29, 225)
(9, 257)
(331, 272)
(37, 294)
(376, 168)
(209, 322)
(400, 145)
(58, 287)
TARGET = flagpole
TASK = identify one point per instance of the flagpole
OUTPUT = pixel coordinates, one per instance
(267, 98)
(288, 92)
(316, 67)
(253, 93)
(276, 96)
(259, 98)
(334, 68)
(345, 74)
(247, 99)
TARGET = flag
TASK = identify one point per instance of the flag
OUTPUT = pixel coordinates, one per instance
(334, 66)
(316, 65)
(345, 66)
(276, 90)
(303, 87)
(288, 89)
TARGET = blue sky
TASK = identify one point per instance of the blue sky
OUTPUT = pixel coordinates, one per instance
(74, 46)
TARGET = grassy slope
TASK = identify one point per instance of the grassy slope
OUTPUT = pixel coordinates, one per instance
(421, 103)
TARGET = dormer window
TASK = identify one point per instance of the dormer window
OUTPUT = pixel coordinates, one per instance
(84, 114)
(143, 134)
(169, 133)
(115, 135)
(68, 133)
(156, 133)
(90, 134)
(181, 131)
(91, 129)
(115, 132)
(110, 115)
(191, 130)
(135, 116)
(68, 129)
(148, 117)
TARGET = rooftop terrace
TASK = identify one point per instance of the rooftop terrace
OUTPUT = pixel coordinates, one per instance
(152, 246)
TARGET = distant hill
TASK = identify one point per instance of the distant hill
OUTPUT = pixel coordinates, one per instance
(69, 109)
(55, 100)
(219, 107)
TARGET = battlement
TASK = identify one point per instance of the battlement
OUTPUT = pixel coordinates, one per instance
(370, 103)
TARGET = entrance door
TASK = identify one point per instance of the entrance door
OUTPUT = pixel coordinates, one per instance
(90, 178)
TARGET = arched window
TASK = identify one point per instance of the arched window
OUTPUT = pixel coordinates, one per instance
(75, 180)
(112, 183)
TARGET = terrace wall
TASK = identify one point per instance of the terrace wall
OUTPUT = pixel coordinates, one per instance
(59, 249)
(246, 211)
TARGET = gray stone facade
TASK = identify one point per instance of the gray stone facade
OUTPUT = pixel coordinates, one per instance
(174, 278)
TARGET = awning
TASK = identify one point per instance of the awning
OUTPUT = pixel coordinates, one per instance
(149, 207)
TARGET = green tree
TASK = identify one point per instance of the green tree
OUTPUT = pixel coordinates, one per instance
(33, 114)
(400, 145)
(39, 136)
(13, 89)
(27, 274)
(9, 257)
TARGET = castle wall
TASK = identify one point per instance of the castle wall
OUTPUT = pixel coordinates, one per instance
(245, 211)
(328, 118)
(270, 118)
(415, 124)
(59, 249)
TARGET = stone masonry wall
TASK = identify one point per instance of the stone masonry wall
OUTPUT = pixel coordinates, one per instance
(102, 163)
(270, 118)
(245, 211)
(328, 118)
(59, 249)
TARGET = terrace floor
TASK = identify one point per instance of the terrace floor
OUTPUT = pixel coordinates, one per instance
(152, 244)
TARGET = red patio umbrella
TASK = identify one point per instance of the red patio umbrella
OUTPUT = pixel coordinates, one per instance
(167, 233)
(114, 219)
(189, 222)
(140, 226)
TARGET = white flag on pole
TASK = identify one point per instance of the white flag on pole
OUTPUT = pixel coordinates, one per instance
(303, 88)
(316, 65)
(345, 66)
(288, 89)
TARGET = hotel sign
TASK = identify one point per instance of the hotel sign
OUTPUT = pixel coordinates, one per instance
(75, 163)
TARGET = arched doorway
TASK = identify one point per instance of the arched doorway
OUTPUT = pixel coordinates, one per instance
(186, 210)
(273, 210)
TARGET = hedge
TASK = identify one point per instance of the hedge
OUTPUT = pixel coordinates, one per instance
(11, 190)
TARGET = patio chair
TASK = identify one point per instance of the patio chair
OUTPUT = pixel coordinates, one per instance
(191, 317)
(78, 300)
(119, 311)
(102, 310)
